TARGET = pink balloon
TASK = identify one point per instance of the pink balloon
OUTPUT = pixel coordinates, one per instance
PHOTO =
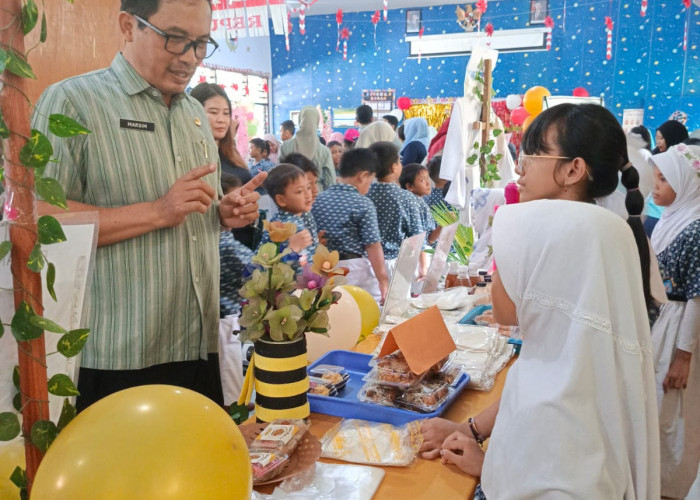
(580, 92)
(250, 115)
(519, 115)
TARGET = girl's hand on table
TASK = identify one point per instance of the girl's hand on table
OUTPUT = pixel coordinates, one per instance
(464, 452)
(435, 431)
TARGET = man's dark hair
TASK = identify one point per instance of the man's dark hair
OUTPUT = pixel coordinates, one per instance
(358, 160)
(288, 125)
(391, 120)
(143, 8)
(364, 114)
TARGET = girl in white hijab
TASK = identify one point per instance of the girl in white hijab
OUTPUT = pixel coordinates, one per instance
(676, 241)
(577, 417)
(307, 143)
(379, 131)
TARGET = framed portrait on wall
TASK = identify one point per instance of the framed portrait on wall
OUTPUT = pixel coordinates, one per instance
(538, 11)
(413, 21)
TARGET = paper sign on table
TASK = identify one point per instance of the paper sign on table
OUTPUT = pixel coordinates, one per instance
(424, 340)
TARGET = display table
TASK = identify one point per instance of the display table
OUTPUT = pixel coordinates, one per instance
(424, 479)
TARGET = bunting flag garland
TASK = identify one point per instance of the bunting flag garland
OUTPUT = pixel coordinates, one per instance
(549, 23)
(489, 33)
(375, 20)
(643, 12)
(608, 43)
(386, 8)
(302, 19)
(344, 35)
(339, 21)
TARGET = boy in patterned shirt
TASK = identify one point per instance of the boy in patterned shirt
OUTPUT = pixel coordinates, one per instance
(397, 213)
(350, 221)
(289, 188)
(414, 178)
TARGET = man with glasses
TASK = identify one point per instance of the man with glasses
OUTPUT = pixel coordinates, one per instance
(150, 170)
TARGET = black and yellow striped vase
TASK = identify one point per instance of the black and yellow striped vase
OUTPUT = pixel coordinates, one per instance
(281, 381)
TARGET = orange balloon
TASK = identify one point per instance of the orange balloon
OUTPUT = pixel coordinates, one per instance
(527, 122)
(532, 100)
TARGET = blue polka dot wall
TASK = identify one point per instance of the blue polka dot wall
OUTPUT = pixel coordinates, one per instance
(649, 67)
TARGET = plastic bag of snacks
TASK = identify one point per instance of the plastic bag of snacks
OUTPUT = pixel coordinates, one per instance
(281, 436)
(375, 443)
(266, 466)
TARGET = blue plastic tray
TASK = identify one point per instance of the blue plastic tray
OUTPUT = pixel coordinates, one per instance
(346, 403)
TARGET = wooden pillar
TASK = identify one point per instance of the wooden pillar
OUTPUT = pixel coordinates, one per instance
(19, 187)
(485, 114)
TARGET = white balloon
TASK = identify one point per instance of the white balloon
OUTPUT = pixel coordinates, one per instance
(513, 101)
(344, 327)
(397, 113)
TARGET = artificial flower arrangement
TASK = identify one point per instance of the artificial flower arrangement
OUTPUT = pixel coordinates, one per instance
(273, 311)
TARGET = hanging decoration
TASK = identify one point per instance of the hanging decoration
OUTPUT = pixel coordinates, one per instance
(339, 21)
(481, 7)
(549, 23)
(403, 103)
(608, 42)
(489, 33)
(386, 9)
(563, 18)
(420, 50)
(467, 19)
(375, 20)
(302, 19)
(344, 35)
(686, 4)
(289, 30)
(643, 12)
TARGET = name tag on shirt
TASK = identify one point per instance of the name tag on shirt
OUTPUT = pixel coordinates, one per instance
(137, 125)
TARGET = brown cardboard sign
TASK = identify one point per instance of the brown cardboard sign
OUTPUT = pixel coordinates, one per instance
(424, 340)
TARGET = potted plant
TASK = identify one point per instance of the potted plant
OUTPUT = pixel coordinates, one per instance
(285, 298)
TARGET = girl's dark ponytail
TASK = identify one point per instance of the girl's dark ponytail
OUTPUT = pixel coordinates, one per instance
(634, 203)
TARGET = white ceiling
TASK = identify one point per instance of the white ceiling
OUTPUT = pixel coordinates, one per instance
(323, 7)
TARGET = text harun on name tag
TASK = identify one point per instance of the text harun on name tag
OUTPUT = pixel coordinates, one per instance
(137, 125)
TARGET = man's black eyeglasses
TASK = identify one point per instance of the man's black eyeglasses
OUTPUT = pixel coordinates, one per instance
(178, 45)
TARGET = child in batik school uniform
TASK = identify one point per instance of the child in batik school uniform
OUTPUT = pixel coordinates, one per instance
(397, 214)
(414, 178)
(309, 168)
(289, 188)
(676, 241)
(234, 257)
(440, 186)
(350, 221)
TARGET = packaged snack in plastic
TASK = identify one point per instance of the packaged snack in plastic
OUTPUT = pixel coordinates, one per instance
(393, 362)
(321, 387)
(426, 397)
(402, 380)
(267, 466)
(451, 374)
(378, 394)
(281, 436)
(376, 443)
(337, 375)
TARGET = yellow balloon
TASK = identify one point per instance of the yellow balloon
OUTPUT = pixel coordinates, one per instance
(527, 122)
(11, 456)
(369, 309)
(532, 100)
(155, 441)
(344, 326)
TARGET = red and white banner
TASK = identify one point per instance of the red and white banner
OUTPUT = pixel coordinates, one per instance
(643, 12)
(235, 18)
(608, 42)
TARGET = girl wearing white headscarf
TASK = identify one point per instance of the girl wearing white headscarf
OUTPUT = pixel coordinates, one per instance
(415, 146)
(274, 144)
(379, 131)
(577, 416)
(307, 143)
(676, 241)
